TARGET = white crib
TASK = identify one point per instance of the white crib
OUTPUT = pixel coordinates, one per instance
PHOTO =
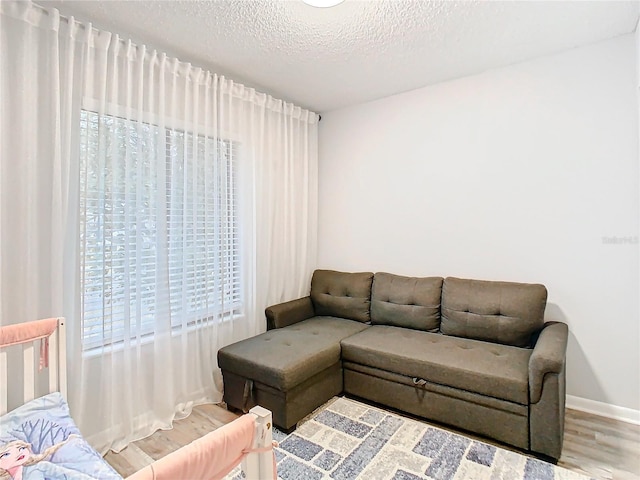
(42, 345)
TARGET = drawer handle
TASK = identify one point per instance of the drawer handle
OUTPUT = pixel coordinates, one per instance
(419, 382)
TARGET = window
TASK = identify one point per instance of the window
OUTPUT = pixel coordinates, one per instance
(160, 246)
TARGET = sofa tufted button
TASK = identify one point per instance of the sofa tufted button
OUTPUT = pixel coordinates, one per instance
(287, 344)
(315, 333)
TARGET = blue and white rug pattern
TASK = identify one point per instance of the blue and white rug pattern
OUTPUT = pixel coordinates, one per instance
(346, 440)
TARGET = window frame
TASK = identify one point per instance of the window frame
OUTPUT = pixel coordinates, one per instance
(194, 319)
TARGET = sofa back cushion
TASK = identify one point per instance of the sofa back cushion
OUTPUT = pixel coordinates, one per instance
(406, 301)
(341, 294)
(500, 312)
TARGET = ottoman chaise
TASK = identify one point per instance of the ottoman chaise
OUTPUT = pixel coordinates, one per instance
(294, 368)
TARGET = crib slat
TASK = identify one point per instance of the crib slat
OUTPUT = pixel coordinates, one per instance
(3, 381)
(29, 374)
(262, 462)
(62, 357)
(53, 362)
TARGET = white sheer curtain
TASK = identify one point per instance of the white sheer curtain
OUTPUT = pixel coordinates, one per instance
(157, 206)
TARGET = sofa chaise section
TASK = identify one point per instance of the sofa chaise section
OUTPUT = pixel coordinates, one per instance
(296, 365)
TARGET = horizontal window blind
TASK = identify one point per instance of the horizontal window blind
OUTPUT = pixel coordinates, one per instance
(160, 240)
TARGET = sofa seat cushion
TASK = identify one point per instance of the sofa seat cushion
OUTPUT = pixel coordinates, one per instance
(285, 357)
(498, 371)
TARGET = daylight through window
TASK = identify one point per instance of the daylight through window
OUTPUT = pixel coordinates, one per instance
(159, 229)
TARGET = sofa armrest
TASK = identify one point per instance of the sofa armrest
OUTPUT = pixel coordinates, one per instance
(288, 313)
(549, 355)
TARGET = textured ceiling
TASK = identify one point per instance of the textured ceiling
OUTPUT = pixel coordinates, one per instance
(325, 59)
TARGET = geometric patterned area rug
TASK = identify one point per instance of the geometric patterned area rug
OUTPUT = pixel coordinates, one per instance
(347, 440)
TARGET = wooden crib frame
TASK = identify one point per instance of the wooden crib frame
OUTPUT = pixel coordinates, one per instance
(57, 366)
(257, 464)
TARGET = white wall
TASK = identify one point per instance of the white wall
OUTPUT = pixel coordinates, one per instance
(514, 174)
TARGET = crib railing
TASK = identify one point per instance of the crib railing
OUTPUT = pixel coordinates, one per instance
(49, 336)
(43, 344)
(260, 464)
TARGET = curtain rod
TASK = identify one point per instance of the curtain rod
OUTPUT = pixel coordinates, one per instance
(82, 24)
(62, 17)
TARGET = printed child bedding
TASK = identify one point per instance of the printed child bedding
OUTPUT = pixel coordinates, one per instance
(40, 441)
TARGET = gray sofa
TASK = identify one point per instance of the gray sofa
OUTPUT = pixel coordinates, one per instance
(473, 354)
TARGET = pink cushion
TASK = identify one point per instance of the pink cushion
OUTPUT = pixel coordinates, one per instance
(208, 458)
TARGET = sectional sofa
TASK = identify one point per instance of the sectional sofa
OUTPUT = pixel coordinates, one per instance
(473, 354)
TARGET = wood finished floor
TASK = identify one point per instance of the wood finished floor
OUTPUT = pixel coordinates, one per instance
(595, 446)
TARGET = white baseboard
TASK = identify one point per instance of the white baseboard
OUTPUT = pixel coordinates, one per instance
(623, 414)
